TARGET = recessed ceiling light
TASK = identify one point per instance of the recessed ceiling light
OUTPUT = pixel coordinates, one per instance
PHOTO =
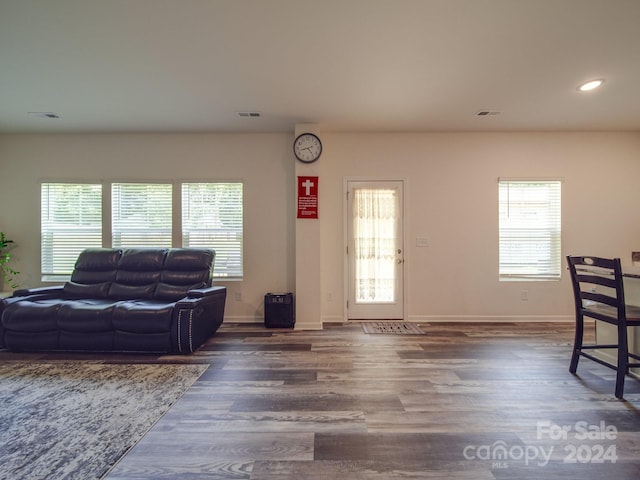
(590, 85)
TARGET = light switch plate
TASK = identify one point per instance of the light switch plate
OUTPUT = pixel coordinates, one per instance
(422, 242)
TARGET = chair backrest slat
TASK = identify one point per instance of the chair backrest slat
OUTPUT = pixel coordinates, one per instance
(598, 287)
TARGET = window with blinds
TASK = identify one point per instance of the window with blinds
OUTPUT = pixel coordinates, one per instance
(529, 229)
(71, 220)
(212, 218)
(141, 214)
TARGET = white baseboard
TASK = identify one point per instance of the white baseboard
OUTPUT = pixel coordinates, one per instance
(490, 318)
(301, 325)
(242, 319)
(308, 325)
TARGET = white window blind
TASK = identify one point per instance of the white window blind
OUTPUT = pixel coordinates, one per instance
(529, 229)
(141, 215)
(212, 218)
(70, 221)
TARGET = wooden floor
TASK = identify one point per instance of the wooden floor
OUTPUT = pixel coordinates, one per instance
(462, 401)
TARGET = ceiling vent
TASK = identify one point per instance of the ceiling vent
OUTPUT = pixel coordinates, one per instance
(250, 114)
(487, 113)
(43, 114)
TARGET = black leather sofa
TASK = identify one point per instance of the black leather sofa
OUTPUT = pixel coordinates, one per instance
(129, 300)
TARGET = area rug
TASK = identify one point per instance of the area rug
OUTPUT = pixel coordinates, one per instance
(75, 420)
(394, 328)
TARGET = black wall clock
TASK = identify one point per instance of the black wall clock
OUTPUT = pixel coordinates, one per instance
(307, 147)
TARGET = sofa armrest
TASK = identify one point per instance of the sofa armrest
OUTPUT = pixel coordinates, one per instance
(203, 296)
(50, 292)
(198, 316)
(206, 292)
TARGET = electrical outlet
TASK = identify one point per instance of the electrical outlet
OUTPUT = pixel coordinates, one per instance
(524, 295)
(238, 296)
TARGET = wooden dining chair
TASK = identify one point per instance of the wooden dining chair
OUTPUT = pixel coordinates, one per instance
(598, 292)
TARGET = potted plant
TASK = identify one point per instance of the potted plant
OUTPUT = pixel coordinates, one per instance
(8, 273)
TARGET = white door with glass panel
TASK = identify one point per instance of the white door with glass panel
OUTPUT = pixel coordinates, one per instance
(375, 254)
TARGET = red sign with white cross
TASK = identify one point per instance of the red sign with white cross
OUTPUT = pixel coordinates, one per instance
(307, 197)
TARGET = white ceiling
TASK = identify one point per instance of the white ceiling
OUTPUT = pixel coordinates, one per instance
(347, 65)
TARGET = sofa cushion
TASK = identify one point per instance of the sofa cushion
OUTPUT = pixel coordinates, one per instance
(88, 315)
(120, 291)
(142, 259)
(96, 265)
(139, 271)
(140, 316)
(184, 270)
(84, 290)
(145, 277)
(193, 277)
(31, 316)
(189, 259)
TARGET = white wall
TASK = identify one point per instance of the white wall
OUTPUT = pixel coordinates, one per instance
(452, 198)
(451, 195)
(263, 162)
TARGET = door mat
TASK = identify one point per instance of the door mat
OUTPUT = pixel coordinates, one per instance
(393, 328)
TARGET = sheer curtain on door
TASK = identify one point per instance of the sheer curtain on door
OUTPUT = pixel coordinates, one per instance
(374, 228)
